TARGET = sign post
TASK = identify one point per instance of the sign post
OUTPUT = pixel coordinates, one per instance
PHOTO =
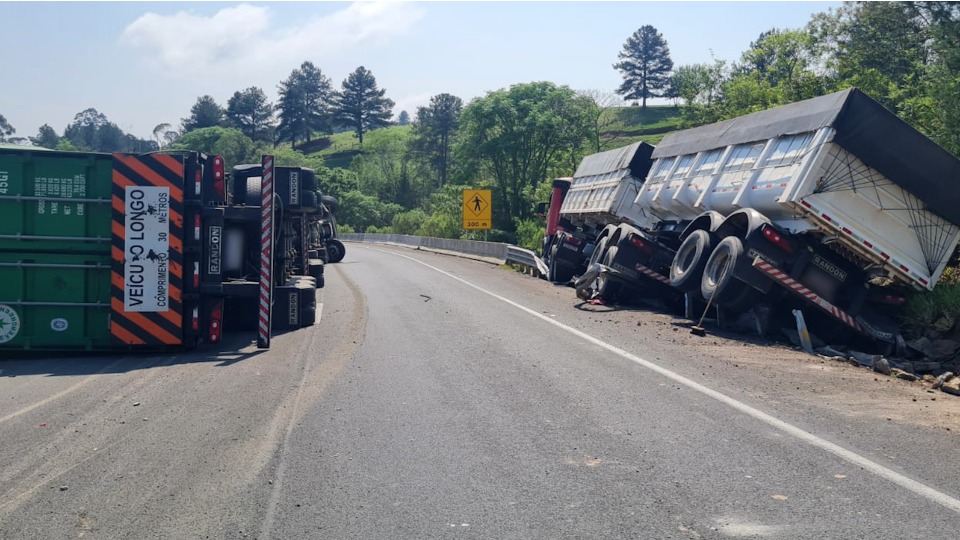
(477, 210)
(266, 254)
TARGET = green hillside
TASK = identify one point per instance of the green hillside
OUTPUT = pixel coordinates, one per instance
(620, 126)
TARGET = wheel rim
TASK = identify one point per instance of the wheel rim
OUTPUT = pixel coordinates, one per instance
(717, 268)
(685, 258)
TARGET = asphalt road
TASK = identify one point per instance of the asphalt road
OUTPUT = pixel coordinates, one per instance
(445, 398)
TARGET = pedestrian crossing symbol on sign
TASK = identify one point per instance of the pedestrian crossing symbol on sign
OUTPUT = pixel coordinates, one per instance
(477, 212)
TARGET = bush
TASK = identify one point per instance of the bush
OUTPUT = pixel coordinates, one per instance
(441, 226)
(934, 313)
(530, 233)
(408, 222)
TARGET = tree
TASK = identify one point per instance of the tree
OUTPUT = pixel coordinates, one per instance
(403, 119)
(159, 134)
(230, 143)
(433, 132)
(604, 119)
(879, 47)
(46, 137)
(6, 129)
(204, 113)
(645, 65)
(781, 60)
(251, 113)
(520, 137)
(93, 132)
(305, 104)
(361, 105)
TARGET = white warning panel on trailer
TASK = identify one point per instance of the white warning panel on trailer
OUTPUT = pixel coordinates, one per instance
(146, 249)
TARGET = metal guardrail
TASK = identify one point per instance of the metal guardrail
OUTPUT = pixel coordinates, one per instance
(525, 257)
(494, 250)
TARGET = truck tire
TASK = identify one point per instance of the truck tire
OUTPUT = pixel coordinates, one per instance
(607, 288)
(315, 269)
(253, 192)
(557, 272)
(741, 300)
(686, 270)
(331, 202)
(308, 202)
(308, 180)
(599, 253)
(718, 273)
(335, 251)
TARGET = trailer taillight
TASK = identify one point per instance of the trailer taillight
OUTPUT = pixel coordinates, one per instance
(892, 299)
(196, 319)
(219, 185)
(572, 240)
(638, 242)
(196, 275)
(776, 238)
(216, 321)
(196, 182)
(196, 227)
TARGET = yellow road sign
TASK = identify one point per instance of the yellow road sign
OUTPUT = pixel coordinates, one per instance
(477, 210)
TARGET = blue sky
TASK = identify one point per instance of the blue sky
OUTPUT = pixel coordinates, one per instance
(145, 63)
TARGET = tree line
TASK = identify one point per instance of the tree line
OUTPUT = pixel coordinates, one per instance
(307, 105)
(906, 55)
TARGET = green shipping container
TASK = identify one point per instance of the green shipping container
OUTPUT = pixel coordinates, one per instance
(71, 238)
(54, 249)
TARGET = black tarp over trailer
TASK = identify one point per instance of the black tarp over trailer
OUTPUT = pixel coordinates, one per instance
(863, 127)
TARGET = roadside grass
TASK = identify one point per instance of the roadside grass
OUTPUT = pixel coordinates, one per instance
(933, 313)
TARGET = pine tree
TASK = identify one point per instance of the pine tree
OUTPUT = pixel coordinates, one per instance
(361, 105)
(250, 112)
(645, 64)
(204, 113)
(433, 132)
(305, 104)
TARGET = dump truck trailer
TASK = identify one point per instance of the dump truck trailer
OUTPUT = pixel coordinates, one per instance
(600, 193)
(102, 252)
(833, 202)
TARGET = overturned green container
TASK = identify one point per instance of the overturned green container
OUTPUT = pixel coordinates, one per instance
(55, 249)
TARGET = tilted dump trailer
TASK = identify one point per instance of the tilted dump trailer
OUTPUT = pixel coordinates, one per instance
(833, 201)
(105, 252)
(601, 192)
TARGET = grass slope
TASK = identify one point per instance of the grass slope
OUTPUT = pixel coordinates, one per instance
(620, 125)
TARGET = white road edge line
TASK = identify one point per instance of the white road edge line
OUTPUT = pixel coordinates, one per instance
(903, 481)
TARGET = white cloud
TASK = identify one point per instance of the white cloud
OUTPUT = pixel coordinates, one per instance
(242, 38)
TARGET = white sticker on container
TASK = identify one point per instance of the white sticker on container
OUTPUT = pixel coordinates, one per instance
(146, 248)
(9, 323)
(59, 324)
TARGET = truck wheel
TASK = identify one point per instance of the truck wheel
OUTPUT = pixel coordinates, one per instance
(599, 253)
(335, 251)
(686, 270)
(308, 202)
(739, 298)
(308, 180)
(331, 202)
(718, 272)
(253, 192)
(315, 269)
(557, 272)
(608, 289)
